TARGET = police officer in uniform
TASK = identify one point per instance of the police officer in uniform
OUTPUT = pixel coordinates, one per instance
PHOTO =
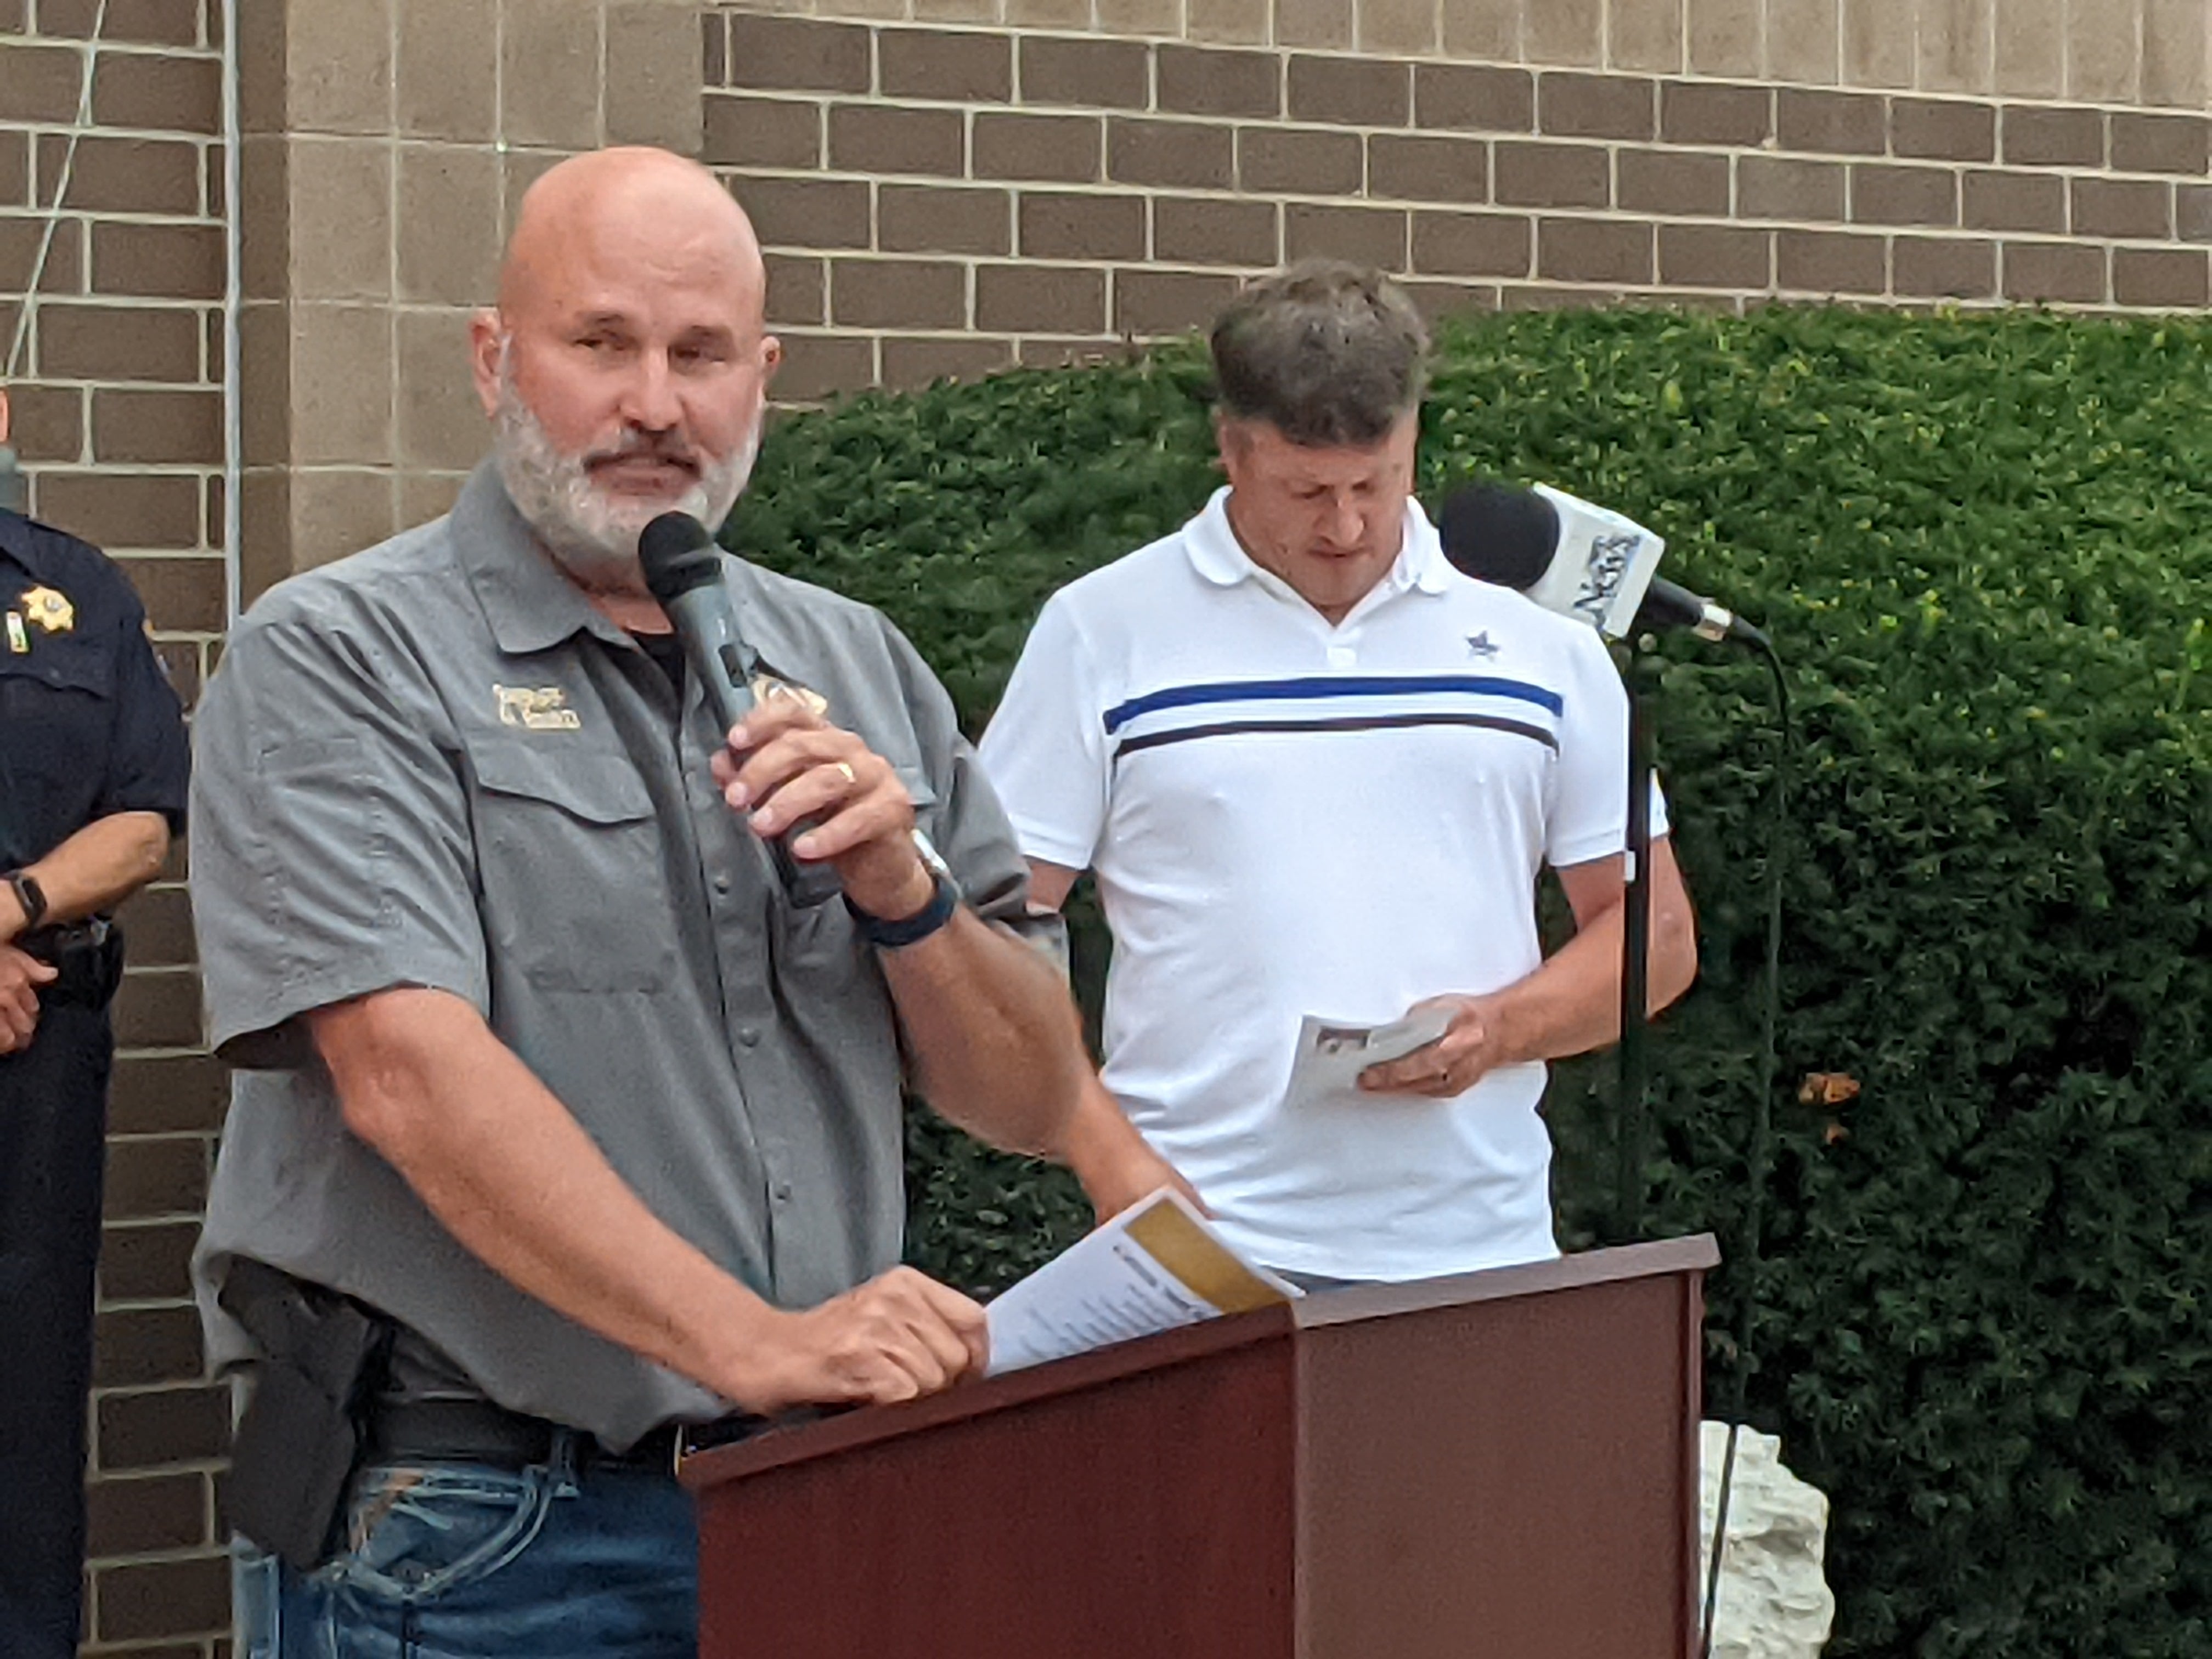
(93, 762)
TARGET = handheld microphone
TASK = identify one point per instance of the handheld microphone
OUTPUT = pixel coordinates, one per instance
(1580, 560)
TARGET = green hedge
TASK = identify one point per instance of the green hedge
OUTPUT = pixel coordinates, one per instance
(1981, 544)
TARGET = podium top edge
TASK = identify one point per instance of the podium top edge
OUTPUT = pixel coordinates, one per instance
(1697, 1253)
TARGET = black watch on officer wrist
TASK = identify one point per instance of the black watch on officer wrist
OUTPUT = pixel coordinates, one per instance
(30, 895)
(943, 900)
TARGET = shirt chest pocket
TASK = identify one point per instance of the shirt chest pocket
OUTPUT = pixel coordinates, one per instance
(571, 868)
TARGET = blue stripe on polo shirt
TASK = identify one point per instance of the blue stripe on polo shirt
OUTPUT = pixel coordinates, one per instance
(1325, 687)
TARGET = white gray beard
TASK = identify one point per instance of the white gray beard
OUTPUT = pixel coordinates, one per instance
(590, 534)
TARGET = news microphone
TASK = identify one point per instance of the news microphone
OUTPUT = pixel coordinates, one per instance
(1578, 559)
(684, 571)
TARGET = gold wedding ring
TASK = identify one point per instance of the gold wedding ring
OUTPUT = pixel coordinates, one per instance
(850, 776)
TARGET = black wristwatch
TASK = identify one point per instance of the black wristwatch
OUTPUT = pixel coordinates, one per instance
(30, 895)
(943, 900)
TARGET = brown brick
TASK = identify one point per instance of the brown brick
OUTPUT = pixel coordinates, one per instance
(20, 240)
(147, 1262)
(713, 48)
(40, 84)
(961, 68)
(137, 1347)
(1556, 298)
(897, 293)
(138, 22)
(1070, 226)
(1672, 181)
(1551, 175)
(1149, 302)
(816, 366)
(15, 167)
(123, 510)
(141, 1517)
(1828, 262)
(2039, 137)
(1184, 155)
(1942, 130)
(170, 262)
(1835, 123)
(1438, 301)
(1593, 251)
(155, 1179)
(885, 138)
(161, 1010)
(938, 219)
(806, 212)
(1715, 256)
(1595, 106)
(1040, 299)
(124, 175)
(797, 54)
(2122, 207)
(156, 426)
(2160, 143)
(1298, 163)
(157, 92)
(909, 365)
(163, 1598)
(1420, 168)
(1206, 230)
(167, 1094)
(2014, 201)
(2192, 212)
(2162, 278)
(1904, 195)
(1473, 98)
(1701, 113)
(1350, 91)
(1095, 74)
(48, 421)
(760, 132)
(1196, 80)
(1942, 267)
(1782, 187)
(2036, 271)
(1363, 235)
(1035, 352)
(1060, 148)
(1473, 244)
(797, 290)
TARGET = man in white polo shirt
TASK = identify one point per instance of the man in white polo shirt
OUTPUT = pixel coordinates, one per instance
(1318, 772)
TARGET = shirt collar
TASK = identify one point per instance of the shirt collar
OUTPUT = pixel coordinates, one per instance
(1220, 558)
(530, 603)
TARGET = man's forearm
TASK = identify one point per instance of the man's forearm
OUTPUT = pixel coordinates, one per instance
(99, 866)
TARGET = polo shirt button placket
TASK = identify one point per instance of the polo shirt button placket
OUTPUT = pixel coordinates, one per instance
(1343, 656)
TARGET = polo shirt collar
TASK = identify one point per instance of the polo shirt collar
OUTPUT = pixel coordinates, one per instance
(529, 605)
(1217, 555)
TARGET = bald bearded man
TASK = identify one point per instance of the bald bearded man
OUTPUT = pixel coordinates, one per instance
(562, 1125)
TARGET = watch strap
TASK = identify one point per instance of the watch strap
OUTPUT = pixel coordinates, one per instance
(943, 900)
(30, 895)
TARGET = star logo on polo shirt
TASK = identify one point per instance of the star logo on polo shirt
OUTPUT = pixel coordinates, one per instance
(1482, 644)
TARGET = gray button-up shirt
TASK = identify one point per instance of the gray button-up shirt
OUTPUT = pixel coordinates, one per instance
(435, 764)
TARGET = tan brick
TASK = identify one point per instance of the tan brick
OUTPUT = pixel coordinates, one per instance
(1727, 37)
(339, 196)
(342, 374)
(885, 138)
(1095, 74)
(1194, 81)
(2031, 49)
(447, 83)
(793, 54)
(1942, 130)
(139, 1599)
(2014, 201)
(1473, 244)
(1715, 256)
(910, 364)
(798, 290)
(156, 427)
(1645, 34)
(2159, 143)
(2102, 58)
(937, 219)
(650, 75)
(1299, 163)
(1048, 15)
(449, 238)
(1829, 262)
(2192, 212)
(2038, 271)
(41, 82)
(124, 175)
(1155, 302)
(1550, 175)
(1801, 40)
(2173, 53)
(1055, 148)
(951, 11)
(1672, 182)
(1350, 91)
(1955, 42)
(48, 422)
(2122, 207)
(339, 510)
(174, 262)
(1040, 299)
(333, 67)
(764, 132)
(1238, 22)
(441, 423)
(965, 68)
(1473, 98)
(1593, 251)
(1595, 106)
(1836, 122)
(2053, 137)
(1126, 18)
(1363, 235)
(1697, 112)
(1564, 32)
(1399, 28)
(181, 595)
(1428, 169)
(1327, 24)
(1209, 231)
(1057, 225)
(157, 93)
(1882, 195)
(790, 213)
(1936, 267)
(897, 293)
(1783, 187)
(2163, 279)
(1180, 154)
(549, 73)
(117, 343)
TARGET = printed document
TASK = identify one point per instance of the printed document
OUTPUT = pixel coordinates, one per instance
(1332, 1053)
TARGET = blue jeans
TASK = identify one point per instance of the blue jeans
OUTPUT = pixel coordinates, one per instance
(463, 1561)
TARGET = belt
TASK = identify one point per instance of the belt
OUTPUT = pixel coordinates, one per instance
(477, 1431)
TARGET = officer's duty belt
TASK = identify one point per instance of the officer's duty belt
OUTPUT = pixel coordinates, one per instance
(87, 955)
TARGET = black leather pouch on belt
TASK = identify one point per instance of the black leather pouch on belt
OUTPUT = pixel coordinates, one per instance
(303, 1432)
(87, 957)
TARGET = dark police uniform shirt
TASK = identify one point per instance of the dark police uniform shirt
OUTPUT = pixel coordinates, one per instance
(88, 725)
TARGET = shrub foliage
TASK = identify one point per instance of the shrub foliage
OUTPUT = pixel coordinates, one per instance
(1981, 544)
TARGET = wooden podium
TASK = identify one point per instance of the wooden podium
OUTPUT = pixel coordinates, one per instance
(1503, 1463)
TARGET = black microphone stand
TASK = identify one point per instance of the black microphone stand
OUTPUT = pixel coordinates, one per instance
(1634, 1109)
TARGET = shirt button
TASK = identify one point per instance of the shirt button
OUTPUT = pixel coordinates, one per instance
(1342, 656)
(783, 1192)
(750, 1035)
(721, 884)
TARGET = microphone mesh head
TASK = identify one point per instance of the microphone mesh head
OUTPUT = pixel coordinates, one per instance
(1499, 533)
(677, 555)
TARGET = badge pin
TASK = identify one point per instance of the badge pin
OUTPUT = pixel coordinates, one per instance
(19, 638)
(536, 708)
(50, 610)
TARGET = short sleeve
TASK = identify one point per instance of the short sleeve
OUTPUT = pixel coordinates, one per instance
(1589, 817)
(1045, 748)
(150, 756)
(331, 849)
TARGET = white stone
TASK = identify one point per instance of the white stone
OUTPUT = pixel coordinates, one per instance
(1774, 1602)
